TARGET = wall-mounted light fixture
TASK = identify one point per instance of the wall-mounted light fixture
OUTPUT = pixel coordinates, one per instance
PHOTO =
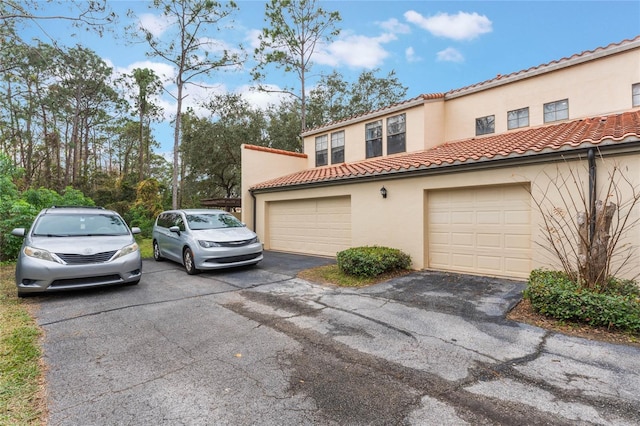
(383, 192)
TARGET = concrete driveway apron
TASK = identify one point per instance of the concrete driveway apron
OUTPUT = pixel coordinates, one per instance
(260, 346)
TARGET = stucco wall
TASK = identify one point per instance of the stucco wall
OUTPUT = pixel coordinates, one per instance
(594, 88)
(355, 136)
(262, 165)
(399, 220)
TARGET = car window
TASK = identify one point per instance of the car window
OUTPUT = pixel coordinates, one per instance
(212, 221)
(179, 222)
(78, 225)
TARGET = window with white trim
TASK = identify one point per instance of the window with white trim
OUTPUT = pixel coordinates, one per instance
(373, 138)
(485, 125)
(635, 95)
(321, 150)
(337, 147)
(555, 111)
(396, 134)
(518, 118)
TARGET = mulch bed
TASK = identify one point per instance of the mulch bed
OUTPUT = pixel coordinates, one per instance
(523, 312)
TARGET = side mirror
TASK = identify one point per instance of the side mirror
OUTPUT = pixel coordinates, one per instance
(135, 230)
(18, 232)
(175, 229)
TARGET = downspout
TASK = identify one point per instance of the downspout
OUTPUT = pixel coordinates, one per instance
(592, 193)
(255, 203)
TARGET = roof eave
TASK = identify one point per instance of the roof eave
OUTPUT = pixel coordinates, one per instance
(611, 147)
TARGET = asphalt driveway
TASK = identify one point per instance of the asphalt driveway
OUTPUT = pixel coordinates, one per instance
(260, 346)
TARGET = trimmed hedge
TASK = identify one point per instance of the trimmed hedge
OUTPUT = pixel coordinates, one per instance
(371, 261)
(553, 294)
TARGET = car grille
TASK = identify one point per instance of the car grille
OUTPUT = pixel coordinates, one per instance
(81, 259)
(233, 259)
(106, 279)
(237, 243)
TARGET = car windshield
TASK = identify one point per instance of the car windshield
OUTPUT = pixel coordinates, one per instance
(79, 225)
(212, 221)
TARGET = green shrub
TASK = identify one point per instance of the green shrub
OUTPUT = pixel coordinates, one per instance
(372, 261)
(553, 294)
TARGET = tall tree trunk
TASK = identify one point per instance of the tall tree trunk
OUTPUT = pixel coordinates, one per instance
(176, 146)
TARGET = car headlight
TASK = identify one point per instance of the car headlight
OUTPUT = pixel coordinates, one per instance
(41, 254)
(254, 240)
(126, 250)
(208, 244)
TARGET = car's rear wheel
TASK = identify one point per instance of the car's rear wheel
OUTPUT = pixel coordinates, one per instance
(156, 252)
(189, 263)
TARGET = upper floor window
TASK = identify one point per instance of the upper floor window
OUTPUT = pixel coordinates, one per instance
(321, 150)
(373, 138)
(558, 110)
(485, 125)
(518, 118)
(337, 147)
(635, 95)
(396, 134)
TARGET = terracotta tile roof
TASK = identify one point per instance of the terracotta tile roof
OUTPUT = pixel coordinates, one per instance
(275, 151)
(531, 141)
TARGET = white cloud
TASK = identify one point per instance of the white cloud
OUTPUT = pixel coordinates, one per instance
(450, 55)
(410, 55)
(155, 24)
(253, 38)
(262, 100)
(462, 26)
(355, 51)
(164, 71)
(394, 26)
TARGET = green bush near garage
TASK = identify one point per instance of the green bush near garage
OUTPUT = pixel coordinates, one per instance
(616, 305)
(371, 261)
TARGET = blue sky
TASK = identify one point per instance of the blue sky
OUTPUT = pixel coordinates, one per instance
(432, 46)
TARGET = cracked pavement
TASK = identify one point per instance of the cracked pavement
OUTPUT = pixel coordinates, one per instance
(259, 346)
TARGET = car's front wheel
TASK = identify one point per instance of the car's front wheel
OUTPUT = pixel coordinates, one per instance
(189, 263)
(156, 252)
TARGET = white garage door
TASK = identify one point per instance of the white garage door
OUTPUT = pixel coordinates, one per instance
(315, 226)
(484, 231)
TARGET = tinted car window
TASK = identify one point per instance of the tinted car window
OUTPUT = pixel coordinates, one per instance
(179, 222)
(212, 221)
(77, 225)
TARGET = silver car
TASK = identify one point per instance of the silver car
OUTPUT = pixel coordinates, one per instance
(203, 239)
(76, 247)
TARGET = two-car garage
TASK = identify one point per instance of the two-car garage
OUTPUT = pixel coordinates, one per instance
(479, 230)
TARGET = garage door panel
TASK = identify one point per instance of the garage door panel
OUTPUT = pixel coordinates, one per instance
(314, 226)
(488, 230)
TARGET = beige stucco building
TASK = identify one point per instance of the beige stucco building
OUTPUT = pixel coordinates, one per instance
(461, 181)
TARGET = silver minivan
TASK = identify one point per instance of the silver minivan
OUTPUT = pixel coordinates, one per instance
(76, 247)
(203, 239)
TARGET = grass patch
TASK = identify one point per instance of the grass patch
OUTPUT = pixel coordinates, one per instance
(146, 247)
(331, 274)
(21, 372)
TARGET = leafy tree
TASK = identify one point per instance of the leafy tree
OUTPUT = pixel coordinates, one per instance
(147, 206)
(13, 212)
(283, 126)
(147, 84)
(294, 31)
(212, 147)
(189, 49)
(335, 99)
